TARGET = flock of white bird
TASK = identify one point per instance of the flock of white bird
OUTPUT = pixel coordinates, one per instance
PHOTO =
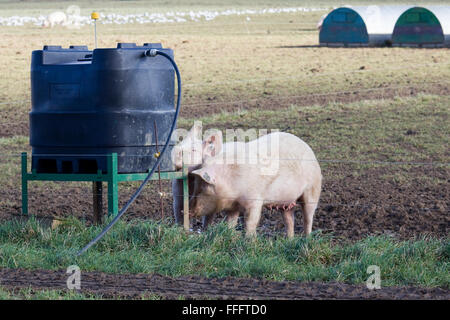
(70, 18)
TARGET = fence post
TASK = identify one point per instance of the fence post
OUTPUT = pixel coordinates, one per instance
(24, 184)
(186, 198)
(113, 188)
(97, 191)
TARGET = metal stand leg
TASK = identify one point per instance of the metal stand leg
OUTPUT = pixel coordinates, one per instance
(113, 188)
(97, 191)
(186, 222)
(24, 184)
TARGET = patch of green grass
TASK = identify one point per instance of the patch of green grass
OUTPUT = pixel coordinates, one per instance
(46, 294)
(13, 142)
(149, 247)
(31, 294)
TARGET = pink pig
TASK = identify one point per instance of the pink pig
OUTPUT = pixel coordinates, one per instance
(276, 170)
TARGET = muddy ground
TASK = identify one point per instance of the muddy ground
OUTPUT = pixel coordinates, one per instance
(193, 287)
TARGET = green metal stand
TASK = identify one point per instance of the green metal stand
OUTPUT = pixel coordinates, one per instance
(112, 178)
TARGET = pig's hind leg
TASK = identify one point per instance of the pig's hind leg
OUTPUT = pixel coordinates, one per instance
(288, 218)
(309, 201)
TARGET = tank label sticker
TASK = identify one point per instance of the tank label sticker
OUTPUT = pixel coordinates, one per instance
(64, 90)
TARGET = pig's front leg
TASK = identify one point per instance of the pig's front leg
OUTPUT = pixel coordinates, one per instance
(232, 218)
(207, 220)
(177, 194)
(253, 215)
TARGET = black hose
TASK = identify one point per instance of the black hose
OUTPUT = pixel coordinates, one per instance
(148, 53)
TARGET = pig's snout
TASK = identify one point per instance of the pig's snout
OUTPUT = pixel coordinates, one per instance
(201, 206)
(193, 208)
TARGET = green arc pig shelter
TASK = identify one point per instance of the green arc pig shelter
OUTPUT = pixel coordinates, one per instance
(413, 26)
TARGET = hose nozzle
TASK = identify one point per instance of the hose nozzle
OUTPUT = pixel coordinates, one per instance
(151, 53)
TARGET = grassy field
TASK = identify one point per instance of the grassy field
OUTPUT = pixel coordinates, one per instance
(377, 119)
(30, 294)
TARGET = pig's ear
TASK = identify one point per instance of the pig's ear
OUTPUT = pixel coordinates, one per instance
(196, 130)
(212, 144)
(206, 174)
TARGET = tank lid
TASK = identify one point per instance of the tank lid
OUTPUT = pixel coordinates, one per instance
(153, 45)
(47, 47)
(125, 45)
(54, 48)
(84, 48)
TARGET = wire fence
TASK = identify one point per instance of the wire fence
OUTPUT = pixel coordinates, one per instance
(241, 29)
(317, 75)
(305, 95)
(250, 23)
(14, 102)
(271, 204)
(291, 97)
(315, 85)
(361, 206)
(249, 160)
(297, 77)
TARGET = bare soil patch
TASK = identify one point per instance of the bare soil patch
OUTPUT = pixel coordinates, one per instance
(194, 287)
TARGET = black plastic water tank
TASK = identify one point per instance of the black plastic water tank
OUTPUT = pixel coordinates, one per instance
(88, 104)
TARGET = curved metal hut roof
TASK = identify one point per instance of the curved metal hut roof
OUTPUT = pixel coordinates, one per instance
(343, 26)
(418, 26)
(374, 25)
(370, 25)
(380, 19)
